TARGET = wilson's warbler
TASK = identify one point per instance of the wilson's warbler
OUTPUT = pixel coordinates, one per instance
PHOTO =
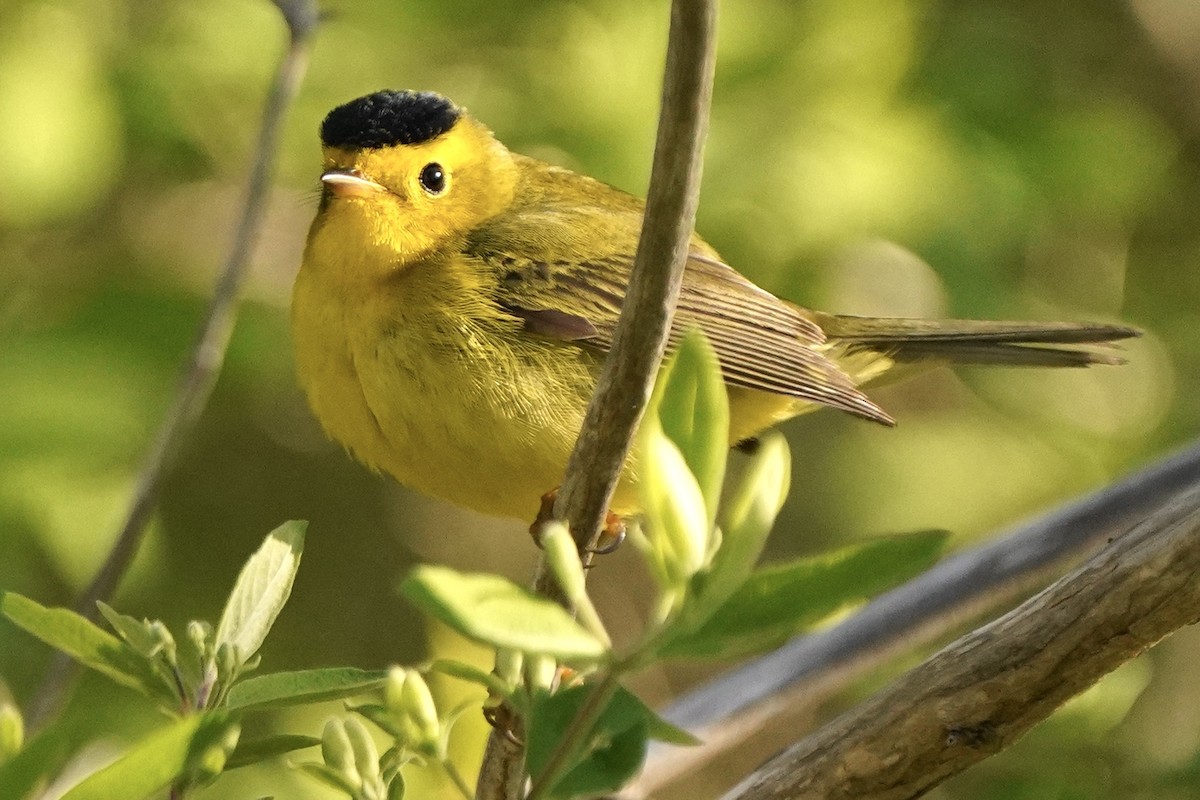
(456, 301)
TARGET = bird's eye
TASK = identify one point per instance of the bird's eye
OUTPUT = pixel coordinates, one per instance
(433, 178)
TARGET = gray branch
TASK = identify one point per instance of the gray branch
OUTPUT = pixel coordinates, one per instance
(625, 383)
(983, 691)
(207, 354)
(627, 378)
(728, 709)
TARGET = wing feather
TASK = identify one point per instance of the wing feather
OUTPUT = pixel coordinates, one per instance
(763, 343)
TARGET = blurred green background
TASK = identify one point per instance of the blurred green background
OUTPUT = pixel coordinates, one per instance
(990, 158)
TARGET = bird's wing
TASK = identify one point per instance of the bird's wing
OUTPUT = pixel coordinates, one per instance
(762, 342)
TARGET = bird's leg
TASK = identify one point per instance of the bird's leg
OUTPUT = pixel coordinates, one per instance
(611, 535)
(545, 514)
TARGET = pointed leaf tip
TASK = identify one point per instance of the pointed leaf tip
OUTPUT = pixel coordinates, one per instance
(498, 612)
(261, 590)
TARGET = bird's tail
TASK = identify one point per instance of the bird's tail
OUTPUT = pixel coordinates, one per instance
(1017, 344)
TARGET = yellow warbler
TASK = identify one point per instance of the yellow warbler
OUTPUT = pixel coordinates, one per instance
(456, 301)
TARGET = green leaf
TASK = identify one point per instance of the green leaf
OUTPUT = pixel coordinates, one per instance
(256, 750)
(660, 730)
(562, 557)
(612, 752)
(746, 520)
(366, 755)
(40, 758)
(495, 611)
(472, 674)
(409, 704)
(280, 689)
(692, 407)
(87, 643)
(157, 760)
(330, 777)
(137, 633)
(261, 590)
(12, 731)
(676, 517)
(779, 601)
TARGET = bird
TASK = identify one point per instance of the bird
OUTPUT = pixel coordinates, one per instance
(456, 300)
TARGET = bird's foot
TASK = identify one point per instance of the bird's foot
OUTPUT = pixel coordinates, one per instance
(503, 720)
(611, 535)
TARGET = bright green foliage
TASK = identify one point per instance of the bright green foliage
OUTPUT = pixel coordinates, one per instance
(145, 657)
(261, 591)
(146, 637)
(676, 520)
(12, 732)
(351, 761)
(86, 643)
(684, 440)
(498, 612)
(407, 700)
(692, 409)
(612, 750)
(252, 751)
(199, 743)
(352, 764)
(562, 557)
(39, 759)
(472, 674)
(747, 518)
(609, 753)
(779, 601)
(280, 689)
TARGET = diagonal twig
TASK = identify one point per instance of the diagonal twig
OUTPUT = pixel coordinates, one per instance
(200, 373)
(726, 710)
(624, 386)
(627, 378)
(983, 691)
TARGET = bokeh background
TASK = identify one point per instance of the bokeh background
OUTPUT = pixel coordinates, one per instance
(990, 158)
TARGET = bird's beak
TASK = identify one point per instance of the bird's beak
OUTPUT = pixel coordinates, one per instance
(350, 183)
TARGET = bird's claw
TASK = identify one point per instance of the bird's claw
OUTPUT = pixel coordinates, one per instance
(611, 535)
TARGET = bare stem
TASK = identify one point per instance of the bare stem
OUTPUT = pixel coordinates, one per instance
(624, 385)
(200, 373)
(574, 735)
(627, 379)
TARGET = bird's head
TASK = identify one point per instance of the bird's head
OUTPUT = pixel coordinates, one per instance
(407, 172)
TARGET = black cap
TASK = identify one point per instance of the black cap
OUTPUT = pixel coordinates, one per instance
(387, 118)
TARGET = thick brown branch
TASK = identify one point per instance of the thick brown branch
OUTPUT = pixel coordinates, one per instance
(982, 692)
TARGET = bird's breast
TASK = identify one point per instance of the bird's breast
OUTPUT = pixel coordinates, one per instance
(458, 404)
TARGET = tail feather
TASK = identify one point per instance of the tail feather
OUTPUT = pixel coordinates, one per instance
(1025, 344)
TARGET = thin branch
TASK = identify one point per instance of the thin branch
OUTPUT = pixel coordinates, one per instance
(624, 385)
(502, 775)
(207, 355)
(573, 736)
(729, 708)
(982, 692)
